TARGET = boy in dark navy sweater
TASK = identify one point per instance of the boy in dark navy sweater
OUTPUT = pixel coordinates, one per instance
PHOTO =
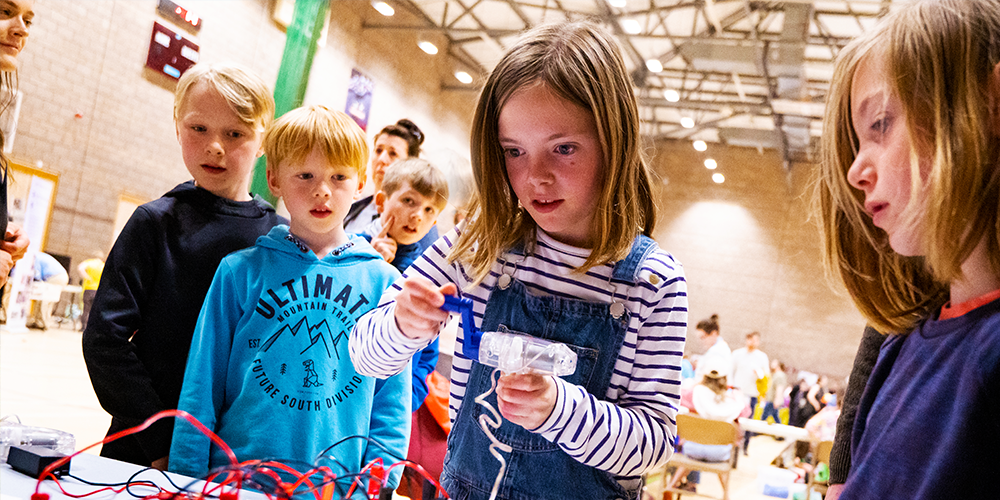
(160, 268)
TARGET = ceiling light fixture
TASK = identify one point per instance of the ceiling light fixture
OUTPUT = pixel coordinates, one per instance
(687, 122)
(463, 77)
(711, 164)
(718, 178)
(383, 8)
(428, 47)
(631, 26)
(654, 65)
(700, 146)
(671, 95)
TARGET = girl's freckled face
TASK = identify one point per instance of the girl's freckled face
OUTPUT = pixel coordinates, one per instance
(554, 161)
(882, 167)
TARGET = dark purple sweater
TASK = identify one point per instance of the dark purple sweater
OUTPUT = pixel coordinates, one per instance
(928, 425)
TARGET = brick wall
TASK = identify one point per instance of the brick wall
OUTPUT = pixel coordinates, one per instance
(93, 115)
(87, 58)
(751, 254)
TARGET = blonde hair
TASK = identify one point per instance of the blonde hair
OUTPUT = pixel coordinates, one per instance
(424, 177)
(8, 91)
(247, 94)
(582, 63)
(298, 131)
(938, 57)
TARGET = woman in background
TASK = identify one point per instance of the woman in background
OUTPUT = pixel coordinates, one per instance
(714, 400)
(15, 18)
(395, 142)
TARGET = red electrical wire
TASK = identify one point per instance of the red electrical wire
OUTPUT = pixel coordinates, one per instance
(301, 478)
(48, 471)
(237, 472)
(417, 467)
(116, 490)
(354, 482)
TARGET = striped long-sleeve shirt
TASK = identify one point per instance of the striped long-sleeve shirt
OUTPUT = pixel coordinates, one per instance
(633, 429)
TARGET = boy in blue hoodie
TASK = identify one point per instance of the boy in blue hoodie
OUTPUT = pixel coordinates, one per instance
(269, 370)
(413, 194)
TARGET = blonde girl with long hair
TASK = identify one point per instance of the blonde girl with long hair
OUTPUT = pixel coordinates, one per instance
(910, 204)
(557, 246)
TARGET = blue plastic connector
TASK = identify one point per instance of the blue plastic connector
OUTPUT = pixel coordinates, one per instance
(472, 336)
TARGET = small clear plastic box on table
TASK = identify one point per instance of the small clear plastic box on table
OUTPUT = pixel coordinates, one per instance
(14, 433)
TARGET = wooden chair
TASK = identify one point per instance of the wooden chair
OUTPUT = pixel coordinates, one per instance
(704, 431)
(822, 455)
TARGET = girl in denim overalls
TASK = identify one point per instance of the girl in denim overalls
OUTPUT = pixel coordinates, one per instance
(557, 247)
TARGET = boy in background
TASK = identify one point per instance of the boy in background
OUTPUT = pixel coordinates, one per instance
(269, 370)
(413, 194)
(156, 276)
(46, 270)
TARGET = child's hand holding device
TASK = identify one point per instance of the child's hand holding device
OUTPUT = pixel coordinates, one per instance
(526, 399)
(418, 307)
(526, 392)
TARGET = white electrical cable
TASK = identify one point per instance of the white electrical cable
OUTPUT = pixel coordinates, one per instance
(485, 423)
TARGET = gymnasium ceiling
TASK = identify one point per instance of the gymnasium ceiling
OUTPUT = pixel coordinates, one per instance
(737, 72)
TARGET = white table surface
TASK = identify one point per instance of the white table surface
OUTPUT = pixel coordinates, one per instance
(94, 468)
(777, 430)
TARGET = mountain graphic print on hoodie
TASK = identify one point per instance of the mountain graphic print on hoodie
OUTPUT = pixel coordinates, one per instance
(269, 369)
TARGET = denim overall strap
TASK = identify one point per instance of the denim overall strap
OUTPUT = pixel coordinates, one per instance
(538, 468)
(628, 268)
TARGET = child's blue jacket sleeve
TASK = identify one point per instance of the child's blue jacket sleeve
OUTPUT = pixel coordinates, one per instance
(390, 422)
(203, 393)
(424, 363)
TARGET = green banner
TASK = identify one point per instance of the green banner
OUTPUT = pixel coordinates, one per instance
(293, 76)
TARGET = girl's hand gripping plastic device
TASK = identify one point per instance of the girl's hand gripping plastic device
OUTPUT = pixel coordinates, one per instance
(510, 352)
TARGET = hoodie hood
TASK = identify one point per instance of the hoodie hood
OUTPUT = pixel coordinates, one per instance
(280, 239)
(203, 198)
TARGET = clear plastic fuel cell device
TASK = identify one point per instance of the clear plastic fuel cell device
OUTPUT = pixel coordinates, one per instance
(513, 352)
(508, 351)
(17, 434)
